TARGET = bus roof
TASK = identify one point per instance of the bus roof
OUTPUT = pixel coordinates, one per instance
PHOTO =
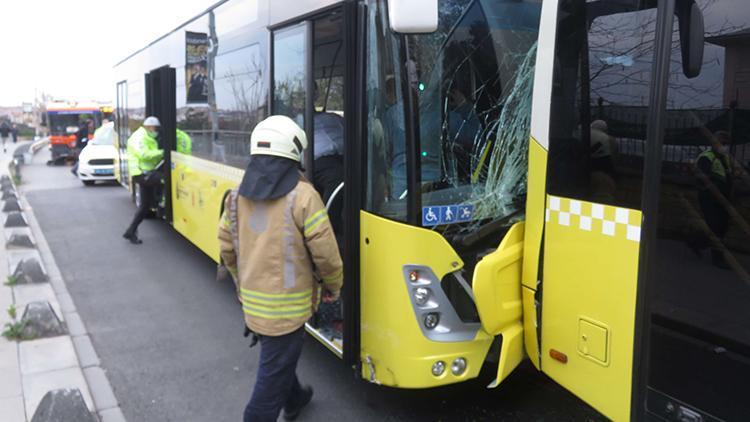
(182, 25)
(305, 7)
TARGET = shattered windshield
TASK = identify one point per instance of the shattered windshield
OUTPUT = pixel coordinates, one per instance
(474, 79)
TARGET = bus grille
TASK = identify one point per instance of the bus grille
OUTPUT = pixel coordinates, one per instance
(102, 162)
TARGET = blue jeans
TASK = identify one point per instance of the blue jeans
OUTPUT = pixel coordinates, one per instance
(277, 385)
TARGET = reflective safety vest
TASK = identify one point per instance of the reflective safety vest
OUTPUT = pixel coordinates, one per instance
(143, 152)
(184, 143)
(719, 166)
(275, 251)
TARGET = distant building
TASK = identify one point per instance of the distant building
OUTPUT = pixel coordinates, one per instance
(736, 66)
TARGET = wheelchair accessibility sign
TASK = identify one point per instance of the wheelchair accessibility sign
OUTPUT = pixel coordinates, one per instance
(446, 214)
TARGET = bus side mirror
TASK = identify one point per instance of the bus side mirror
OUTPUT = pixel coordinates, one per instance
(413, 16)
(690, 19)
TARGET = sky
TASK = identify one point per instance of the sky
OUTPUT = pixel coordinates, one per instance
(67, 48)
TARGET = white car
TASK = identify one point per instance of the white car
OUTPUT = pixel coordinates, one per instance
(97, 159)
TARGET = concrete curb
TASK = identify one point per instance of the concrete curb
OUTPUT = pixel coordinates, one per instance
(104, 399)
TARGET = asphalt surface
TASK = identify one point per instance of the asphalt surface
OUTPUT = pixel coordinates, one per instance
(170, 337)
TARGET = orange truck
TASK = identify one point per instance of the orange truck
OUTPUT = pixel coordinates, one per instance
(64, 120)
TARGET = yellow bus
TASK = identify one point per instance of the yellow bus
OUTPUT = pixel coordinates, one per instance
(561, 181)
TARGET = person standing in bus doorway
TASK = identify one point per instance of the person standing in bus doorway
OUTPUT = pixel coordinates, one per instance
(4, 130)
(14, 133)
(275, 239)
(329, 159)
(143, 157)
(715, 174)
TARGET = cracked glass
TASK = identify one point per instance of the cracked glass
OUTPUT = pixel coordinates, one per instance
(473, 81)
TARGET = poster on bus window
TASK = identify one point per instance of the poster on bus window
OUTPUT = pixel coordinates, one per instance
(196, 67)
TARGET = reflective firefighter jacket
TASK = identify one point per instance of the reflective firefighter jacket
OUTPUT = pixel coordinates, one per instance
(277, 250)
(143, 152)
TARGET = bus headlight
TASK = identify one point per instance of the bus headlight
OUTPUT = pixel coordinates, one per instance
(414, 276)
(421, 295)
(431, 320)
(438, 368)
(459, 366)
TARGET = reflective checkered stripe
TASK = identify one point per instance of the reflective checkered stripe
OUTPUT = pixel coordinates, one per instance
(277, 305)
(598, 218)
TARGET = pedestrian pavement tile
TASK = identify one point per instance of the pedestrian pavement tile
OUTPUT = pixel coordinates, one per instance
(12, 409)
(8, 353)
(10, 383)
(27, 293)
(10, 376)
(35, 386)
(47, 354)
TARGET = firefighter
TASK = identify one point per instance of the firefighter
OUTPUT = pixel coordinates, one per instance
(144, 155)
(283, 244)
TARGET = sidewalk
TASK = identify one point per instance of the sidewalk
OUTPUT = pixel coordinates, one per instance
(31, 368)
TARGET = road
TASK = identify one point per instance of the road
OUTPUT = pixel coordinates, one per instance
(170, 337)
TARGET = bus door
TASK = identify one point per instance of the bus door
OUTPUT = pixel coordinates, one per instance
(593, 211)
(161, 102)
(624, 320)
(311, 69)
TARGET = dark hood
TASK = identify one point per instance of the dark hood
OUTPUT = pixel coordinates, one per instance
(268, 177)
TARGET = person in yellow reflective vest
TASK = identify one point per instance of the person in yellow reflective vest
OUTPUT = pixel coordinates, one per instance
(714, 192)
(184, 143)
(284, 243)
(144, 155)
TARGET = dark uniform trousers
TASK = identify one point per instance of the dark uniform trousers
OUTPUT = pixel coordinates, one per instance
(148, 188)
(276, 386)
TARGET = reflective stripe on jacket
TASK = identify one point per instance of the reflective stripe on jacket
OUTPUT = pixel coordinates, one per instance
(282, 246)
(143, 152)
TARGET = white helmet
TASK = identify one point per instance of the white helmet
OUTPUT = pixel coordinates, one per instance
(600, 125)
(279, 136)
(151, 121)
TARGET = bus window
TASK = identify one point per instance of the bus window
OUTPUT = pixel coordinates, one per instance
(386, 194)
(289, 64)
(599, 106)
(472, 78)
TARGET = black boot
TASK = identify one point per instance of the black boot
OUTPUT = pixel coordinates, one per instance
(132, 237)
(292, 412)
